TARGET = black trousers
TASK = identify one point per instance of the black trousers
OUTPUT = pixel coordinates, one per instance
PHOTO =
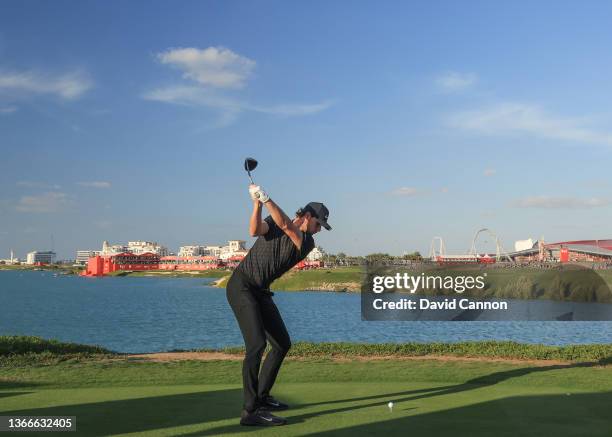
(259, 320)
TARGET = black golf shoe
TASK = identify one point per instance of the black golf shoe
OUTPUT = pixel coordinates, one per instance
(260, 417)
(271, 404)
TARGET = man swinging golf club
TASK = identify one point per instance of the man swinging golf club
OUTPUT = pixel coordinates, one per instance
(282, 243)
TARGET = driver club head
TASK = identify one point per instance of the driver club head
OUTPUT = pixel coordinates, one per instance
(250, 164)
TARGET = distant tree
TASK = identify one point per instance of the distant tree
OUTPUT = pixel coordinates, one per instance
(414, 256)
(379, 258)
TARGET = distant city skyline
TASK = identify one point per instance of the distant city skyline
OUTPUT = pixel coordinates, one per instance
(129, 121)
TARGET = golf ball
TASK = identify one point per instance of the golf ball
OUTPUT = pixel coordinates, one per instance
(390, 405)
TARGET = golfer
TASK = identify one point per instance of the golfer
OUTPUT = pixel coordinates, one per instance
(282, 243)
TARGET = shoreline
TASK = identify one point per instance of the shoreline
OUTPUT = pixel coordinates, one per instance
(26, 347)
(565, 284)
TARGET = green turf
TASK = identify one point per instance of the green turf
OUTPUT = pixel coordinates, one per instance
(338, 279)
(112, 397)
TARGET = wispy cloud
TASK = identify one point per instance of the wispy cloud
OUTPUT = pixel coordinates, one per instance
(551, 202)
(228, 108)
(103, 224)
(513, 118)
(34, 184)
(455, 81)
(213, 66)
(7, 109)
(43, 203)
(95, 184)
(292, 110)
(489, 172)
(405, 191)
(214, 70)
(68, 86)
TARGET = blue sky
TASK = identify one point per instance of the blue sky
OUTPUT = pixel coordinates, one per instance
(130, 120)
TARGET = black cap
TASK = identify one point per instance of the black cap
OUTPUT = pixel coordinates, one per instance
(319, 211)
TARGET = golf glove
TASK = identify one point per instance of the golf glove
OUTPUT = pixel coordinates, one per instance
(258, 194)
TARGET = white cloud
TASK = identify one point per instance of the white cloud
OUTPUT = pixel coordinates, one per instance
(512, 118)
(454, 81)
(46, 202)
(103, 224)
(489, 172)
(214, 66)
(405, 191)
(68, 86)
(214, 70)
(229, 107)
(292, 110)
(551, 202)
(8, 109)
(95, 184)
(33, 184)
(191, 95)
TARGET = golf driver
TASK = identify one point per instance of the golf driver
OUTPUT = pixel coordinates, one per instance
(250, 164)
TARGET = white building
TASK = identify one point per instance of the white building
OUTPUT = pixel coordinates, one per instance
(236, 245)
(213, 250)
(524, 244)
(12, 260)
(192, 251)
(107, 249)
(82, 256)
(135, 247)
(140, 247)
(316, 254)
(45, 257)
(233, 248)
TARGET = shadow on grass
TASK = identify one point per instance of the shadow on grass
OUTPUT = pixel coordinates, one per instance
(411, 395)
(9, 385)
(578, 415)
(509, 416)
(8, 394)
(147, 413)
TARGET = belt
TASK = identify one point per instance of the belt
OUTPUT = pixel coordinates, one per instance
(249, 282)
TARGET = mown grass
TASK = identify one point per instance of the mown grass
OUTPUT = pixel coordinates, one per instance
(565, 283)
(431, 397)
(339, 279)
(113, 394)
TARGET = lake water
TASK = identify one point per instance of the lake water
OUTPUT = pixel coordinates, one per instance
(159, 314)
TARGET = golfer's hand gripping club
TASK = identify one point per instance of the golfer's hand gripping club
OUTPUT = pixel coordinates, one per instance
(257, 193)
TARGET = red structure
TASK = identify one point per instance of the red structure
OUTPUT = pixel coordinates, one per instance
(102, 265)
(602, 244)
(306, 265)
(564, 255)
(233, 261)
(192, 263)
(447, 260)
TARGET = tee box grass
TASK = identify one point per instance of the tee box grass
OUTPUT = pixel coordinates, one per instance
(332, 391)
